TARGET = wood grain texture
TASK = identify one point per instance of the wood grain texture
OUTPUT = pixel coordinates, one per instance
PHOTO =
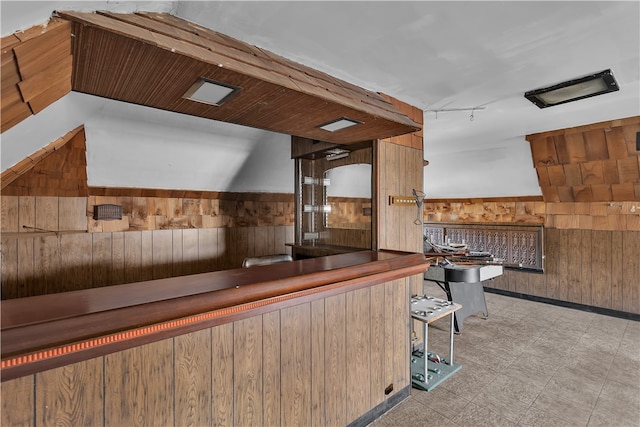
(335, 342)
(586, 263)
(247, 372)
(9, 214)
(70, 395)
(10, 270)
(47, 263)
(377, 305)
(162, 253)
(222, 375)
(601, 256)
(76, 257)
(574, 266)
(318, 351)
(146, 259)
(617, 256)
(296, 365)
(401, 368)
(594, 159)
(139, 385)
(18, 399)
(358, 324)
(192, 373)
(631, 272)
(101, 259)
(271, 368)
(190, 251)
(27, 272)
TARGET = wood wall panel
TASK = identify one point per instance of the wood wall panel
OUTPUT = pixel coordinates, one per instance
(247, 372)
(617, 254)
(377, 342)
(631, 272)
(271, 366)
(192, 373)
(222, 375)
(296, 365)
(139, 385)
(10, 270)
(573, 259)
(335, 360)
(70, 395)
(318, 363)
(599, 268)
(601, 245)
(592, 163)
(18, 402)
(358, 325)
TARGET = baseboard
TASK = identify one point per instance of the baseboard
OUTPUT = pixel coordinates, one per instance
(382, 408)
(567, 304)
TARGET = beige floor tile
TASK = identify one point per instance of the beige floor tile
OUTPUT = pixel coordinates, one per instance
(507, 396)
(618, 404)
(442, 401)
(532, 364)
(557, 406)
(478, 416)
(575, 387)
(411, 413)
(535, 417)
(625, 369)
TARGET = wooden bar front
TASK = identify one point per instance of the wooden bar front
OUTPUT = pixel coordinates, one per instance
(311, 342)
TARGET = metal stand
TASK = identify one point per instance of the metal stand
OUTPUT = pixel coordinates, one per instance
(428, 370)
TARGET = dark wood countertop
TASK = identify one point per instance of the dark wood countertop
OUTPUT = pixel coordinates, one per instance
(52, 330)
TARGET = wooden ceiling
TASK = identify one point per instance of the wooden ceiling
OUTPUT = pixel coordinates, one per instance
(592, 163)
(153, 59)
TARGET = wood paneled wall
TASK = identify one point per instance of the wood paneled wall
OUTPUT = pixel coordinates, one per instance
(46, 247)
(36, 70)
(325, 362)
(398, 169)
(593, 163)
(591, 249)
(614, 216)
(591, 267)
(485, 211)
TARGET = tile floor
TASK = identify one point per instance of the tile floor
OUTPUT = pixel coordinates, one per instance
(531, 364)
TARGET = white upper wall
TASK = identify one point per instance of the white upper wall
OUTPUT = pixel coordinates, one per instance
(431, 54)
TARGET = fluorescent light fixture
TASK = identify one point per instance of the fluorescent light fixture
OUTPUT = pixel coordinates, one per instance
(573, 90)
(210, 92)
(339, 124)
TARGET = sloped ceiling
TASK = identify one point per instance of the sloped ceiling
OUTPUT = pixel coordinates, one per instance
(439, 55)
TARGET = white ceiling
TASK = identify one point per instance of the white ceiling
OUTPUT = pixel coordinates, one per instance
(439, 55)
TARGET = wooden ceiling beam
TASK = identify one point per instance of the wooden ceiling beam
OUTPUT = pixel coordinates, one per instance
(152, 59)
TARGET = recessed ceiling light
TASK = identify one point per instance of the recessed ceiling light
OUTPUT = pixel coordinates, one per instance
(573, 90)
(210, 92)
(339, 124)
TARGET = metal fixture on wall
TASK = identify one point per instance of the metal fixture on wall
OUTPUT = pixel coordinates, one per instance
(446, 110)
(573, 90)
(107, 212)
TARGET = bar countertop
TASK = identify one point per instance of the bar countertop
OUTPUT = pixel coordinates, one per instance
(52, 330)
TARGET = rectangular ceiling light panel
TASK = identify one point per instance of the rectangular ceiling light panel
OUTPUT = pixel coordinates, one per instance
(339, 124)
(210, 92)
(573, 90)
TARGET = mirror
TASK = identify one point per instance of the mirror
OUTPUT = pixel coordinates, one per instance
(349, 195)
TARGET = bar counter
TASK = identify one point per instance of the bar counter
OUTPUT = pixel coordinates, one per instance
(49, 331)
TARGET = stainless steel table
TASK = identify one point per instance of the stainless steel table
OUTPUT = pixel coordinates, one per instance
(463, 285)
